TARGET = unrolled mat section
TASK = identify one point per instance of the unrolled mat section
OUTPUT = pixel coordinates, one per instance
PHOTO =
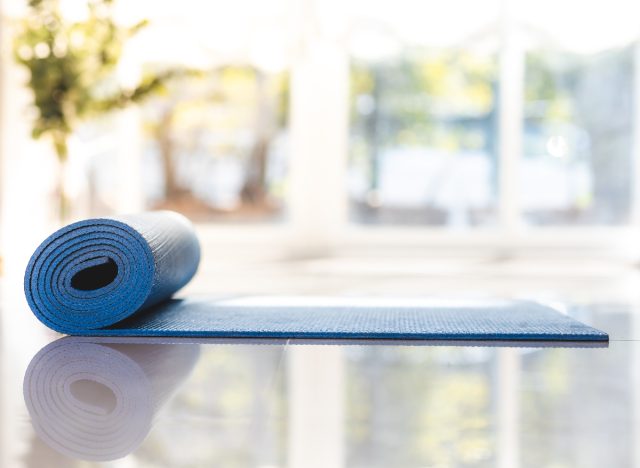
(356, 318)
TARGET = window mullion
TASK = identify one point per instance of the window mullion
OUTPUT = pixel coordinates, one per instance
(510, 118)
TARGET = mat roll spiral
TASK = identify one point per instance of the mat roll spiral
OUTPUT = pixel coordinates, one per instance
(97, 272)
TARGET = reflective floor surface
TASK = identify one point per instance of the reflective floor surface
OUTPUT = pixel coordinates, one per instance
(272, 404)
(82, 402)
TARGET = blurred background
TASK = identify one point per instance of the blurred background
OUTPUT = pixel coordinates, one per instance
(398, 148)
(317, 125)
(486, 147)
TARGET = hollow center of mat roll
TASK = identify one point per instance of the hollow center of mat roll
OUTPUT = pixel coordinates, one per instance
(96, 276)
(96, 397)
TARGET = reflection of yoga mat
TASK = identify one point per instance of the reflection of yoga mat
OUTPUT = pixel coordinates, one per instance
(98, 401)
(111, 276)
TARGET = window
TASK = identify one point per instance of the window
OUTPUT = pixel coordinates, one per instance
(577, 138)
(466, 116)
(423, 139)
(423, 118)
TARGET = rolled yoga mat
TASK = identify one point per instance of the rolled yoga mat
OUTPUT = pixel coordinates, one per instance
(99, 401)
(95, 273)
(113, 277)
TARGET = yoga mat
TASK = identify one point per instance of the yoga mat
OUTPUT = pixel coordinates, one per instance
(94, 273)
(99, 401)
(355, 318)
(114, 276)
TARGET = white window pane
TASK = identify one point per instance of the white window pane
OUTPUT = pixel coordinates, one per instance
(577, 137)
(423, 114)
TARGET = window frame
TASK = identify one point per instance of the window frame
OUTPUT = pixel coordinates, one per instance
(510, 233)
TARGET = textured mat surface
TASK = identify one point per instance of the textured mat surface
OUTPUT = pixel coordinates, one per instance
(94, 273)
(300, 317)
(113, 276)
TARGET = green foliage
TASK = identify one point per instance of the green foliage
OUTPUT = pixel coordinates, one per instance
(431, 98)
(224, 102)
(72, 66)
(549, 85)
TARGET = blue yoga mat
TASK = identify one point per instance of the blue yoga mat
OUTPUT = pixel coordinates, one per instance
(95, 273)
(115, 276)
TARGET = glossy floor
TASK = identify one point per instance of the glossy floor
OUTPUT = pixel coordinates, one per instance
(289, 404)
